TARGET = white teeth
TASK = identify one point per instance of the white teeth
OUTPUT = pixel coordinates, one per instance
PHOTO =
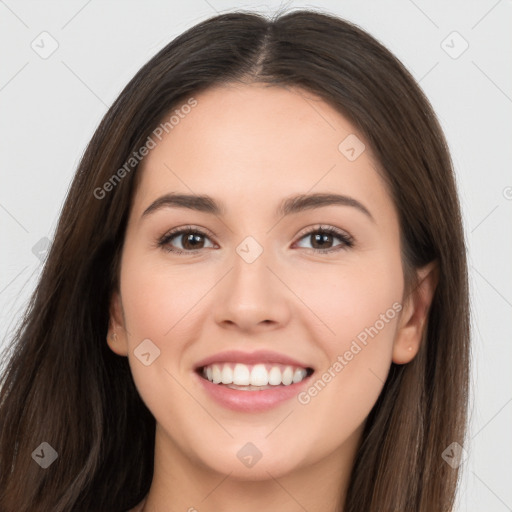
(258, 375)
(298, 375)
(288, 376)
(216, 374)
(227, 374)
(274, 377)
(241, 375)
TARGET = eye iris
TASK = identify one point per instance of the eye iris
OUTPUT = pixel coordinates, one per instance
(191, 238)
(320, 238)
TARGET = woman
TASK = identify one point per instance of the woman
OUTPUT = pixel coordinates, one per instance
(257, 293)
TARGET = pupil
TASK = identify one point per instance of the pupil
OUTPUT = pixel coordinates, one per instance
(192, 238)
(321, 237)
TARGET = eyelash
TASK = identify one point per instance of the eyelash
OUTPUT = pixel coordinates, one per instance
(347, 240)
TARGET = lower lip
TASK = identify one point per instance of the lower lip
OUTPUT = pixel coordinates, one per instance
(251, 401)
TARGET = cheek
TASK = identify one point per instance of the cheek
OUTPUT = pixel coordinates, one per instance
(347, 299)
(159, 299)
(158, 304)
(360, 304)
(363, 310)
(345, 389)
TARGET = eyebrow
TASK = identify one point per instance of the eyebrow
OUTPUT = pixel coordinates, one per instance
(290, 205)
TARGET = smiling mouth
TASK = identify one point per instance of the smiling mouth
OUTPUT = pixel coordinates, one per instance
(253, 377)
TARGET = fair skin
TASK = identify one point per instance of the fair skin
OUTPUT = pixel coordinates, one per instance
(249, 147)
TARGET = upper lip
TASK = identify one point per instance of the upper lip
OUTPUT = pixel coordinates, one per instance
(259, 356)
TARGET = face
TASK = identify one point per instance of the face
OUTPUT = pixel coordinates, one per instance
(320, 284)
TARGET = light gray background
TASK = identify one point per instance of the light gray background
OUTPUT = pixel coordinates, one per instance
(50, 108)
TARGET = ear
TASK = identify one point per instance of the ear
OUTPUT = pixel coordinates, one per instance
(116, 337)
(414, 315)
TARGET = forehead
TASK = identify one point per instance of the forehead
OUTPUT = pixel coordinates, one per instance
(256, 143)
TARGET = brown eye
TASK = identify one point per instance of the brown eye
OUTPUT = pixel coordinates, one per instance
(322, 239)
(190, 240)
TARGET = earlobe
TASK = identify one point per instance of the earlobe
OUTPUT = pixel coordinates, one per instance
(116, 337)
(413, 319)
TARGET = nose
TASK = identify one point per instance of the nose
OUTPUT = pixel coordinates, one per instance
(252, 297)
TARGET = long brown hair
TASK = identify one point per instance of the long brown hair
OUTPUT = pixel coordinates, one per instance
(64, 386)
